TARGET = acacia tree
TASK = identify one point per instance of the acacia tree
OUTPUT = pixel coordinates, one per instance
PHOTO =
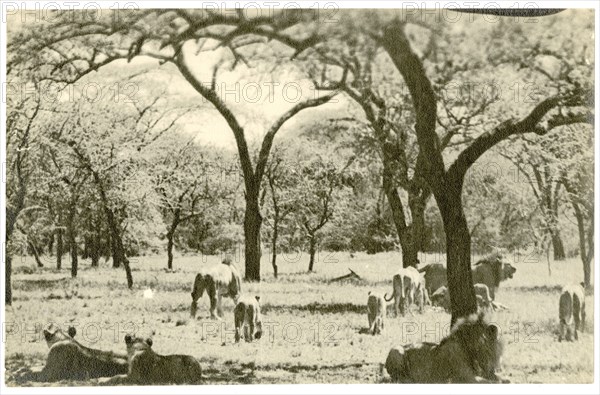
(170, 36)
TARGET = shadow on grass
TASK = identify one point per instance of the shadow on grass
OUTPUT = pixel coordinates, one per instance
(315, 307)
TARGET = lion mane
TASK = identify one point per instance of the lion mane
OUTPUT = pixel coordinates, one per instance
(469, 354)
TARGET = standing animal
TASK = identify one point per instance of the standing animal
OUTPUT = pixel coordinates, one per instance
(404, 284)
(217, 281)
(70, 360)
(469, 354)
(421, 294)
(435, 277)
(489, 271)
(571, 312)
(247, 318)
(484, 300)
(375, 312)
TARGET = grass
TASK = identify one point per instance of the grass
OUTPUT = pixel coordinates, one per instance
(311, 325)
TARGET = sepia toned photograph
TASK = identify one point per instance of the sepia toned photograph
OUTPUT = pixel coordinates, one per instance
(255, 193)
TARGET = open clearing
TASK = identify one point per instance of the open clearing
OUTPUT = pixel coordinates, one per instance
(311, 326)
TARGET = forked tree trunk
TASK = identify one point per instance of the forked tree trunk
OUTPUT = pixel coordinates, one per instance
(458, 244)
(36, 253)
(252, 224)
(171, 237)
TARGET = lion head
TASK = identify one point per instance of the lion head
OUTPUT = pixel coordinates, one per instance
(53, 334)
(136, 345)
(482, 343)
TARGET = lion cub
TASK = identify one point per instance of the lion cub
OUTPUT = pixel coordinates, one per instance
(148, 367)
(375, 312)
(247, 317)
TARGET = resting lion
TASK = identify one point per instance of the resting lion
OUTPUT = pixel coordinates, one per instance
(469, 354)
(571, 312)
(375, 312)
(147, 367)
(247, 318)
(69, 360)
(218, 281)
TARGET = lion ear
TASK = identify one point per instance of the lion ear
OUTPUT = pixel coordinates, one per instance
(128, 339)
(72, 331)
(149, 342)
(257, 298)
(492, 331)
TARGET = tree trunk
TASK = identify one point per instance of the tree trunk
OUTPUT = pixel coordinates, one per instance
(558, 247)
(252, 224)
(72, 241)
(116, 258)
(171, 236)
(458, 245)
(8, 277)
(59, 248)
(410, 252)
(586, 258)
(95, 253)
(36, 254)
(274, 243)
(312, 252)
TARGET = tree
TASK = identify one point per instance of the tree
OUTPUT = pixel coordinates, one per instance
(21, 148)
(188, 183)
(281, 180)
(170, 36)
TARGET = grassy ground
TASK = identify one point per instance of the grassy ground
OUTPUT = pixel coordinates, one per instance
(311, 326)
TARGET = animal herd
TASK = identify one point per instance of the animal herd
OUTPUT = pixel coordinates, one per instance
(470, 353)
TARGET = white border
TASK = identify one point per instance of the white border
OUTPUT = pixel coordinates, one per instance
(315, 388)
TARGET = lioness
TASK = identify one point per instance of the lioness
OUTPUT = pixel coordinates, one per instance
(571, 312)
(404, 284)
(218, 281)
(69, 360)
(441, 298)
(147, 367)
(247, 317)
(469, 354)
(375, 312)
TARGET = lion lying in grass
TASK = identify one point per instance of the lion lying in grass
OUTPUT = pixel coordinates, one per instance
(147, 367)
(70, 360)
(469, 354)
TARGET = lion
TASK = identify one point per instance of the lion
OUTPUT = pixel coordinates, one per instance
(571, 312)
(147, 367)
(376, 311)
(218, 281)
(435, 277)
(469, 354)
(247, 318)
(441, 298)
(491, 271)
(70, 360)
(404, 284)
